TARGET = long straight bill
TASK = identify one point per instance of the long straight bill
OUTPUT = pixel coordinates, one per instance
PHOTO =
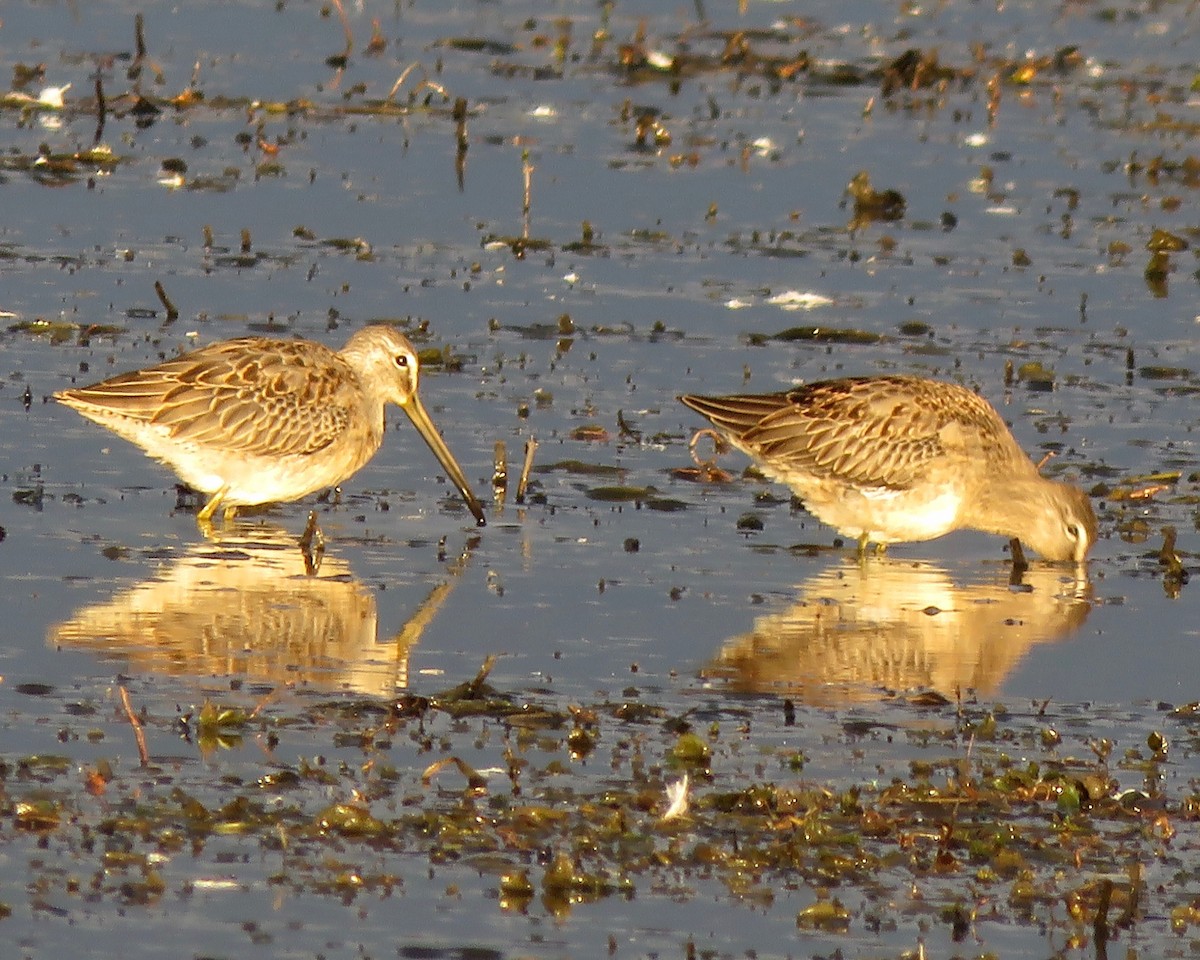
(420, 419)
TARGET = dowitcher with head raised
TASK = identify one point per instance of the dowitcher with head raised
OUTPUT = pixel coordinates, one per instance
(892, 459)
(253, 420)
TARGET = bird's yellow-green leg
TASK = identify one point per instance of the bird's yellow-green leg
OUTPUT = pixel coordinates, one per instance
(230, 513)
(1018, 555)
(206, 514)
(864, 544)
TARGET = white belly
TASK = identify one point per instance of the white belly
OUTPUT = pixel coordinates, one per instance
(248, 479)
(882, 514)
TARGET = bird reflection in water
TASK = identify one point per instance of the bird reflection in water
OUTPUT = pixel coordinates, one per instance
(253, 604)
(863, 632)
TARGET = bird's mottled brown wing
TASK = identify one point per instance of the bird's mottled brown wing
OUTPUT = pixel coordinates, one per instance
(264, 397)
(868, 431)
(737, 414)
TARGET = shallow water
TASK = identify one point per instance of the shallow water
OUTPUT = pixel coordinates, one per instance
(1024, 241)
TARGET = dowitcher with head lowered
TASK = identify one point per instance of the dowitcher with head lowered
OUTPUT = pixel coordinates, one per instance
(255, 420)
(898, 458)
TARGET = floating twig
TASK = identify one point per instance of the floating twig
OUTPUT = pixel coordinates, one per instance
(706, 470)
(624, 428)
(101, 109)
(138, 731)
(1100, 923)
(425, 82)
(500, 470)
(403, 76)
(531, 446)
(262, 704)
(139, 36)
(341, 12)
(527, 169)
(1145, 492)
(140, 56)
(459, 114)
(378, 42)
(172, 310)
(476, 782)
(434, 86)
(1129, 914)
(720, 445)
(472, 688)
(994, 88)
(1176, 574)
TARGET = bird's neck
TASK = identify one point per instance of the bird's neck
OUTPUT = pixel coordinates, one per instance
(377, 420)
(1004, 503)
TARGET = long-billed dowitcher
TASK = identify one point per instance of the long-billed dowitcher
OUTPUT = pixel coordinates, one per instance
(892, 459)
(252, 420)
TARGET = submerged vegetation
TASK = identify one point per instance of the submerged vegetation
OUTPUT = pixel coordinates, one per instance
(948, 820)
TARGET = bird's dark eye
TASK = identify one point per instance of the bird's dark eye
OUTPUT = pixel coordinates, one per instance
(1073, 531)
(402, 359)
